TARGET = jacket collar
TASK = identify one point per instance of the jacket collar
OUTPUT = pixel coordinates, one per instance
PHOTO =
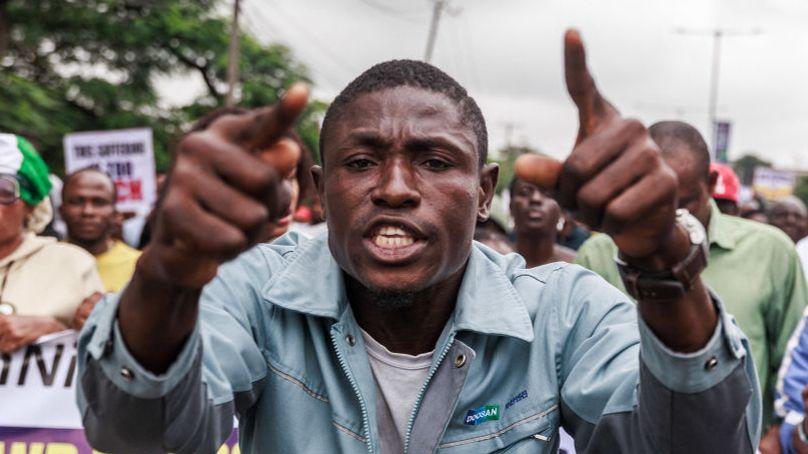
(487, 303)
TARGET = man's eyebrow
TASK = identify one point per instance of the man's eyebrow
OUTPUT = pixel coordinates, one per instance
(429, 142)
(367, 138)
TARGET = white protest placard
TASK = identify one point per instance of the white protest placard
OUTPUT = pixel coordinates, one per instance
(38, 411)
(126, 154)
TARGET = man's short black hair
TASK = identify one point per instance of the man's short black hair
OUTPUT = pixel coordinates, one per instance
(70, 177)
(671, 135)
(409, 73)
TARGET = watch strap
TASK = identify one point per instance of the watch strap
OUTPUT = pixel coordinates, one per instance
(666, 285)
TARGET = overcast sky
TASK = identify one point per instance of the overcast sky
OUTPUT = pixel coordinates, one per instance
(508, 54)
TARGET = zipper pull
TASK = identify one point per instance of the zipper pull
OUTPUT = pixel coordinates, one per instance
(541, 437)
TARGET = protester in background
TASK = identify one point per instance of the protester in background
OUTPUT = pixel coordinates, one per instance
(727, 189)
(88, 209)
(790, 215)
(42, 281)
(536, 216)
(752, 267)
(754, 212)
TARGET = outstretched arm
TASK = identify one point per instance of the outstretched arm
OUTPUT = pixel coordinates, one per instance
(697, 386)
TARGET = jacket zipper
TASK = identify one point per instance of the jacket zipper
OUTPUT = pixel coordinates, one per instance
(344, 365)
(421, 393)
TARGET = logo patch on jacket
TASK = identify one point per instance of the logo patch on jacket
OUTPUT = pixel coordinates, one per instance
(482, 414)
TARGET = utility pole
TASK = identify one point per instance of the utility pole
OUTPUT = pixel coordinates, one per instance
(233, 58)
(437, 11)
(718, 34)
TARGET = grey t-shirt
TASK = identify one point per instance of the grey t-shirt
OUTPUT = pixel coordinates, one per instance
(399, 377)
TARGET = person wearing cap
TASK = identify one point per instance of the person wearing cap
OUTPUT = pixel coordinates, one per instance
(752, 267)
(42, 281)
(727, 189)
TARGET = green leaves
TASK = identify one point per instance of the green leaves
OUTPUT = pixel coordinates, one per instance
(77, 65)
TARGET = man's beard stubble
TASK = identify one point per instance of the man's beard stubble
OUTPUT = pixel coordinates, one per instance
(391, 300)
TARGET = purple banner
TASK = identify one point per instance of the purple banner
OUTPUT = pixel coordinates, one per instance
(15, 440)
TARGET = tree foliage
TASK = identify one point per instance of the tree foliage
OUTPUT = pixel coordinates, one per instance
(77, 65)
(801, 188)
(745, 167)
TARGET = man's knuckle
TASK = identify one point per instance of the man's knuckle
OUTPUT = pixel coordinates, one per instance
(193, 143)
(634, 126)
(648, 158)
(616, 215)
(590, 197)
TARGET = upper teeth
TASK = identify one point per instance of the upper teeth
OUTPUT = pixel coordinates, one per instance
(389, 236)
(389, 230)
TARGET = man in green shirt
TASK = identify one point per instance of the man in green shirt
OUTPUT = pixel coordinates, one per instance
(753, 267)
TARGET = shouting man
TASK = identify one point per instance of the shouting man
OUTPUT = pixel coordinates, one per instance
(396, 333)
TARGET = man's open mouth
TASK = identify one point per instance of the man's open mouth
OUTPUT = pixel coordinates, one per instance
(391, 237)
(394, 242)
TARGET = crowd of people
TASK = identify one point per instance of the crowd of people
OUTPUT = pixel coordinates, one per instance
(397, 273)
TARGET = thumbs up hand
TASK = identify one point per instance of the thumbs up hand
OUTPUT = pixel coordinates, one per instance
(615, 179)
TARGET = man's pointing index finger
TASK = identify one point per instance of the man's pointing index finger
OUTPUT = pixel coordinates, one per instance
(260, 128)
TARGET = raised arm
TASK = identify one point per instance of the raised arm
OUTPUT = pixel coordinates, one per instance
(617, 182)
(697, 387)
(145, 384)
(219, 198)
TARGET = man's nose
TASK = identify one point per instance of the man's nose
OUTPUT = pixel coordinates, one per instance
(536, 197)
(88, 209)
(397, 186)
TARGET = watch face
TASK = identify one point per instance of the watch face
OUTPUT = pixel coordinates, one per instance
(7, 309)
(695, 230)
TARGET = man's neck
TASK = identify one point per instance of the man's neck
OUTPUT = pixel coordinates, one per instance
(413, 329)
(536, 247)
(7, 247)
(94, 247)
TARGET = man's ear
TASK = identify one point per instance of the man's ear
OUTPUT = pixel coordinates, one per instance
(712, 180)
(488, 184)
(317, 176)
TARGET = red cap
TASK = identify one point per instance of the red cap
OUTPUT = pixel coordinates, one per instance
(727, 186)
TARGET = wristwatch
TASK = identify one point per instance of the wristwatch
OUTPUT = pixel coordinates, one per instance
(674, 283)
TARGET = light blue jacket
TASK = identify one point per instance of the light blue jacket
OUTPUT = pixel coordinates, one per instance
(525, 351)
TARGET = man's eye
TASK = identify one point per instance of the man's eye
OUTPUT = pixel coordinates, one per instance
(436, 164)
(360, 163)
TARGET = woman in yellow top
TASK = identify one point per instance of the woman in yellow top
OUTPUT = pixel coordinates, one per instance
(42, 281)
